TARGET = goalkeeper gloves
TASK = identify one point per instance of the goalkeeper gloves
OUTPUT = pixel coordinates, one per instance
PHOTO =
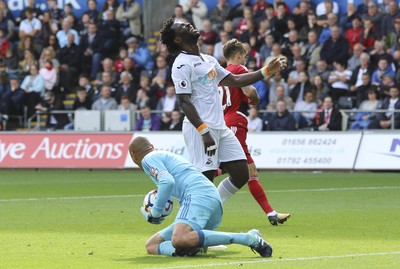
(150, 218)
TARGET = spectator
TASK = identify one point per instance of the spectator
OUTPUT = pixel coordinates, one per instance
(370, 34)
(273, 82)
(109, 5)
(27, 62)
(353, 35)
(326, 31)
(51, 103)
(281, 120)
(7, 26)
(169, 101)
(330, 119)
(281, 96)
(105, 102)
(197, 10)
(218, 46)
(6, 11)
(126, 88)
(162, 69)
(384, 88)
(323, 6)
(345, 21)
(52, 43)
(208, 35)
(49, 74)
(383, 69)
(92, 12)
(82, 100)
(391, 40)
(300, 89)
(311, 51)
(147, 121)
(310, 26)
(91, 92)
(172, 121)
(126, 104)
(378, 53)
(140, 53)
(4, 44)
(106, 80)
(11, 61)
(243, 26)
(119, 62)
(301, 14)
(362, 8)
(336, 47)
(219, 14)
(384, 120)
(237, 10)
(33, 85)
(110, 33)
(362, 68)
(26, 43)
(49, 27)
(354, 60)
(69, 13)
(254, 123)
(143, 99)
(320, 88)
(310, 4)
(321, 70)
(107, 66)
(179, 14)
(83, 25)
(374, 14)
(53, 11)
(12, 98)
(300, 66)
(129, 66)
(339, 80)
(322, 19)
(91, 49)
(29, 26)
(62, 35)
(361, 91)
(266, 47)
(279, 22)
(363, 119)
(128, 13)
(69, 60)
(302, 118)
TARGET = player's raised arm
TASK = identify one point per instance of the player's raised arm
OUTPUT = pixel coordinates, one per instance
(274, 66)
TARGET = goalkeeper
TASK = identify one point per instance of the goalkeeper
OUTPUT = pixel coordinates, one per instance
(200, 211)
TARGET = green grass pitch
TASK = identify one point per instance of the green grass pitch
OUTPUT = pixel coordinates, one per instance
(83, 219)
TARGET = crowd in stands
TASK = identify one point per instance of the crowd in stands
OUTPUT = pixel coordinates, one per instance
(351, 61)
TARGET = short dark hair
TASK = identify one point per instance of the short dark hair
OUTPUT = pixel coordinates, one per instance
(167, 36)
(232, 47)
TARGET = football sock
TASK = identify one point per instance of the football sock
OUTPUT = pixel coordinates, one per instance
(209, 238)
(259, 195)
(166, 248)
(226, 189)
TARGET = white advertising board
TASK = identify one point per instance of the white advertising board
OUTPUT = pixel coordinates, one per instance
(298, 150)
(287, 150)
(379, 151)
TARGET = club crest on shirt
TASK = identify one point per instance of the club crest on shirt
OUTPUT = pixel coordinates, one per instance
(209, 162)
(183, 84)
(154, 172)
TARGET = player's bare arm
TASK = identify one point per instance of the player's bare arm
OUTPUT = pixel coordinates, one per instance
(251, 92)
(238, 81)
(194, 118)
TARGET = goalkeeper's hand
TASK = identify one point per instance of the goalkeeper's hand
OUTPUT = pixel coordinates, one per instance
(150, 218)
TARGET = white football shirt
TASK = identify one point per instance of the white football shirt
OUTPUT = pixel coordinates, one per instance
(199, 76)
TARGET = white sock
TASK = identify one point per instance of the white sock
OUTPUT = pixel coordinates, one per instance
(271, 213)
(226, 189)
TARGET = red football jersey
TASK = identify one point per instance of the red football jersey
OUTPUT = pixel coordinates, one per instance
(233, 99)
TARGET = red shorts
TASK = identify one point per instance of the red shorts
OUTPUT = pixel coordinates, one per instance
(238, 124)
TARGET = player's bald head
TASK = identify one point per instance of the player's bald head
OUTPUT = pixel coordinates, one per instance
(139, 147)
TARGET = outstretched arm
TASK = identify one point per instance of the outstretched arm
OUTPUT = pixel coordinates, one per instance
(238, 81)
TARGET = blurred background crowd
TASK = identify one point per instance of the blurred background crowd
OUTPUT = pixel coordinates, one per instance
(53, 60)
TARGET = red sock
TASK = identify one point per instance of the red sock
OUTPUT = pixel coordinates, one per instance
(259, 194)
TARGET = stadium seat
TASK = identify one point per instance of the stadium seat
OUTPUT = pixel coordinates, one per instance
(86, 120)
(117, 120)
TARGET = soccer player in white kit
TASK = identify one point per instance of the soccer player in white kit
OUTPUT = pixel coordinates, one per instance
(196, 77)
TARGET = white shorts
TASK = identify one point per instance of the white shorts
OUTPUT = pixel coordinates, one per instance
(228, 147)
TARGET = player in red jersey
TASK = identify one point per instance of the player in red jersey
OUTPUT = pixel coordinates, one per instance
(235, 103)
